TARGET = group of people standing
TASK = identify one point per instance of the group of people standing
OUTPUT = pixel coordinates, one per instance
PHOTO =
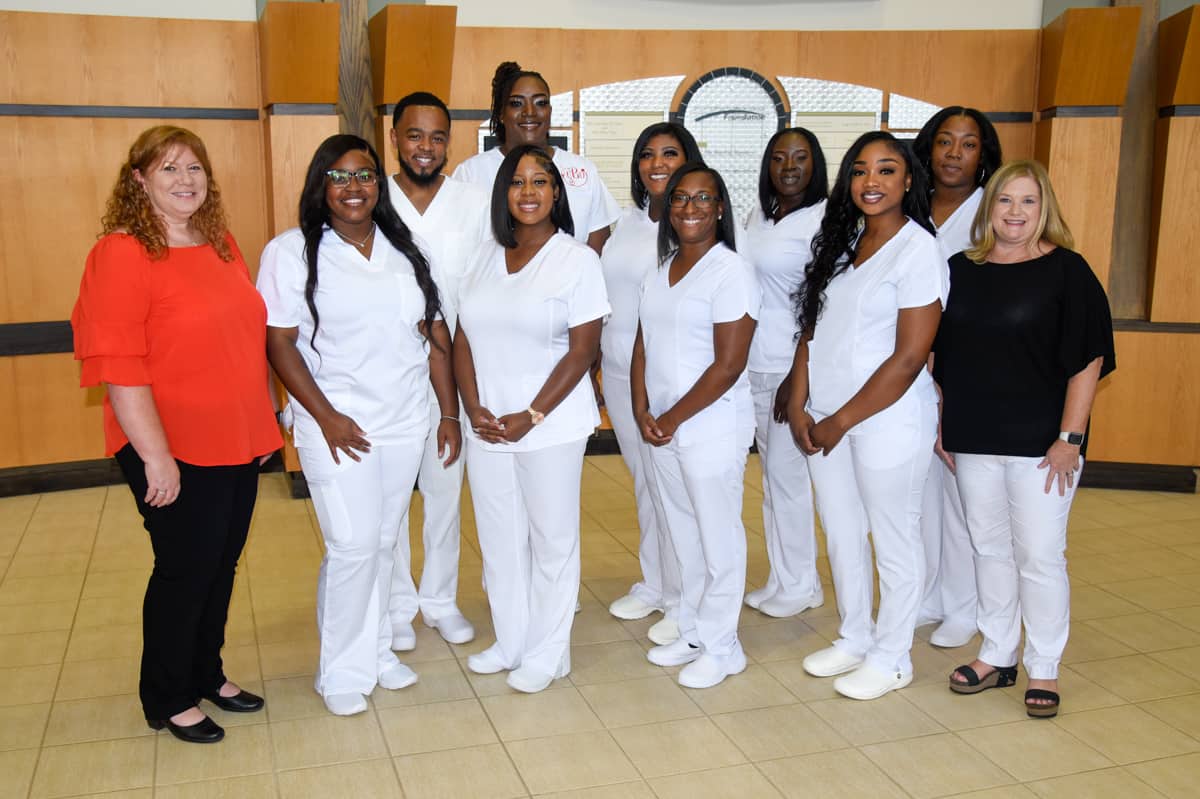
(918, 344)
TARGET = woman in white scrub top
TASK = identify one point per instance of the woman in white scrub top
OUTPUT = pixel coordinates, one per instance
(521, 115)
(354, 331)
(530, 313)
(690, 393)
(958, 148)
(792, 187)
(630, 255)
(864, 407)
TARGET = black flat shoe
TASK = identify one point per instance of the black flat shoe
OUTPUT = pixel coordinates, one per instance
(241, 702)
(202, 732)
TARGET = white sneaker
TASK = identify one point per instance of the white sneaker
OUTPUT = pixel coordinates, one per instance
(868, 682)
(404, 638)
(709, 670)
(949, 635)
(528, 680)
(397, 677)
(578, 605)
(345, 704)
(674, 654)
(758, 596)
(453, 627)
(489, 661)
(664, 631)
(784, 608)
(630, 607)
(830, 661)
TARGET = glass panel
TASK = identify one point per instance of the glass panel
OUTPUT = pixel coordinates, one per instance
(612, 115)
(905, 113)
(837, 113)
(732, 119)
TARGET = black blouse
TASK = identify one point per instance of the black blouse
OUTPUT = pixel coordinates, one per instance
(1011, 337)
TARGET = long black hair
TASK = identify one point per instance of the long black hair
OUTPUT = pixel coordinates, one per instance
(508, 73)
(818, 180)
(315, 217)
(668, 240)
(691, 152)
(502, 221)
(990, 157)
(834, 246)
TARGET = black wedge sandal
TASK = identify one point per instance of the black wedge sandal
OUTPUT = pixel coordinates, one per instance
(1041, 710)
(998, 677)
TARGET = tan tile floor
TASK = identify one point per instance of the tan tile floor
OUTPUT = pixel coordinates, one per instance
(73, 568)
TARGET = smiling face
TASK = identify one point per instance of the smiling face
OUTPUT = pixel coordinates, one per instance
(695, 209)
(954, 156)
(420, 137)
(177, 185)
(790, 168)
(526, 116)
(1017, 213)
(351, 206)
(531, 193)
(657, 162)
(878, 180)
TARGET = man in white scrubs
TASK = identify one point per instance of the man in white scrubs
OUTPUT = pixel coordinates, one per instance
(448, 220)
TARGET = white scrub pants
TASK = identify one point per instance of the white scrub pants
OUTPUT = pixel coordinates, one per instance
(1020, 537)
(787, 509)
(659, 585)
(874, 481)
(441, 492)
(527, 518)
(360, 506)
(700, 492)
(950, 594)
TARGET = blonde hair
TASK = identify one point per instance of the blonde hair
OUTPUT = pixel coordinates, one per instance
(129, 209)
(1050, 226)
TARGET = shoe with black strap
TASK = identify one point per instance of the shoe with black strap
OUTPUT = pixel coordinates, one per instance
(972, 683)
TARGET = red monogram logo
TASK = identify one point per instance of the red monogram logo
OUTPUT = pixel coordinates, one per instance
(575, 176)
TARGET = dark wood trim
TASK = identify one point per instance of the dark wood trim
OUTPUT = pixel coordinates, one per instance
(1081, 111)
(302, 110)
(77, 474)
(1179, 111)
(1142, 326)
(35, 338)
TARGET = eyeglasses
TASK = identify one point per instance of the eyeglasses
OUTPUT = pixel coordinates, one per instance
(701, 200)
(341, 177)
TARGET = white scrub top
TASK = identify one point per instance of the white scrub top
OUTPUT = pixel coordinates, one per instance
(592, 205)
(629, 255)
(856, 331)
(954, 235)
(677, 333)
(448, 233)
(370, 360)
(779, 252)
(518, 326)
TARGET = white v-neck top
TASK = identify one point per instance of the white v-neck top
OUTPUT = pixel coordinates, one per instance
(629, 255)
(954, 235)
(677, 333)
(519, 325)
(592, 205)
(370, 360)
(856, 331)
(457, 220)
(779, 252)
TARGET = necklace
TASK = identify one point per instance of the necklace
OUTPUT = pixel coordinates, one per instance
(359, 244)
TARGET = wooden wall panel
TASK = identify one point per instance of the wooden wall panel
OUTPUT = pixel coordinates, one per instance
(46, 236)
(291, 142)
(1086, 55)
(1175, 284)
(52, 420)
(1081, 155)
(1148, 411)
(1016, 139)
(97, 60)
(412, 49)
(299, 52)
(1179, 58)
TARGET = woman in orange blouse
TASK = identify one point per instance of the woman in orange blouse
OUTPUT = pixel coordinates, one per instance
(170, 323)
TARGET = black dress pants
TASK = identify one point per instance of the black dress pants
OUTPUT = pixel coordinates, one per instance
(197, 541)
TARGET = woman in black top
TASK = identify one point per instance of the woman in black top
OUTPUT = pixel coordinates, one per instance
(1025, 339)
